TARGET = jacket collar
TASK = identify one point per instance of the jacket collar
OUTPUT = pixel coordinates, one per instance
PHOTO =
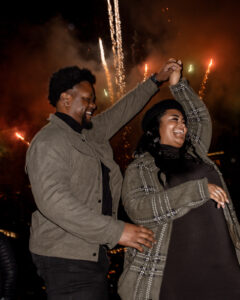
(78, 140)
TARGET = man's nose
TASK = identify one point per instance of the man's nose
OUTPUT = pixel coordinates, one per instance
(93, 105)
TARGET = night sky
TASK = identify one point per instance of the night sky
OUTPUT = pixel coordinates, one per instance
(37, 39)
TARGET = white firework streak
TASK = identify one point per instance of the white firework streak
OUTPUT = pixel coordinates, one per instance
(114, 43)
(120, 69)
(109, 82)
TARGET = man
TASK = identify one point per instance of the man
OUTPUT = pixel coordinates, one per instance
(76, 185)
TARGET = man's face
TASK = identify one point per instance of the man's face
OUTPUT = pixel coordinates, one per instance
(82, 103)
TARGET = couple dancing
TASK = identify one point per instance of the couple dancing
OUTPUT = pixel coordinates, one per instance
(185, 241)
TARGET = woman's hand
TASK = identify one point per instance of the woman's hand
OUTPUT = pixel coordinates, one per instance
(217, 194)
(172, 66)
(176, 73)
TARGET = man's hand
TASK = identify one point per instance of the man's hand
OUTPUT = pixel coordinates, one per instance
(135, 236)
(217, 194)
(171, 66)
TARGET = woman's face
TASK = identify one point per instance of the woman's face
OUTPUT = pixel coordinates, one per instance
(172, 128)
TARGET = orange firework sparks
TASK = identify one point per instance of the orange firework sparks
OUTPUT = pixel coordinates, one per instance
(145, 72)
(19, 136)
(203, 85)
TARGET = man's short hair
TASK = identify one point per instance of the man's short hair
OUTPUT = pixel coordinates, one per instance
(65, 79)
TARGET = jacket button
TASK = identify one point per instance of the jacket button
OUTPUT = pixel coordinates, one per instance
(99, 201)
(94, 254)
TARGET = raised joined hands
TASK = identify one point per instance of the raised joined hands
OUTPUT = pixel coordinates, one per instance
(171, 71)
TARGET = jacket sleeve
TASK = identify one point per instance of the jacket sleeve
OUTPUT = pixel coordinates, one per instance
(107, 123)
(198, 119)
(149, 206)
(50, 178)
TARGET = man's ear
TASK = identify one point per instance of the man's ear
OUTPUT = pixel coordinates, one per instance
(65, 99)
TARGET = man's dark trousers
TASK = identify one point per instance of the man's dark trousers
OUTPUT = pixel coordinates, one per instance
(70, 279)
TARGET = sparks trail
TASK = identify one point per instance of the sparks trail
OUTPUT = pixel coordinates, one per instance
(109, 82)
(114, 43)
(145, 72)
(20, 137)
(203, 85)
(120, 56)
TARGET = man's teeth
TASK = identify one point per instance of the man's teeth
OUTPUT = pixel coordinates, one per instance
(89, 113)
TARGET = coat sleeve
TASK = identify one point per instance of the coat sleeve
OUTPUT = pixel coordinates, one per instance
(149, 206)
(198, 119)
(107, 123)
(50, 178)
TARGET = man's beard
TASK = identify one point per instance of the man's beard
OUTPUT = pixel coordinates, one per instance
(86, 124)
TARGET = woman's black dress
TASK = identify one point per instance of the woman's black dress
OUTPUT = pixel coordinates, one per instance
(201, 262)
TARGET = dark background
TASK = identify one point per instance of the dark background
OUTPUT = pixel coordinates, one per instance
(38, 38)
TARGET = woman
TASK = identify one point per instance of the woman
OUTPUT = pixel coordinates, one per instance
(173, 188)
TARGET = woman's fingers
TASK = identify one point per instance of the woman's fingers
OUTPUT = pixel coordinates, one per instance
(218, 195)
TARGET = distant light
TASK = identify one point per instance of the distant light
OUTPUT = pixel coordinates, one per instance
(190, 68)
(105, 92)
(216, 153)
(9, 233)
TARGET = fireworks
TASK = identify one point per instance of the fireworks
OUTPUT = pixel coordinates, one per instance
(19, 136)
(109, 82)
(145, 72)
(114, 43)
(105, 92)
(203, 85)
(120, 56)
(190, 68)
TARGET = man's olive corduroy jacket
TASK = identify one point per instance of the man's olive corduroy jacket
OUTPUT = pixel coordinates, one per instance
(148, 203)
(64, 169)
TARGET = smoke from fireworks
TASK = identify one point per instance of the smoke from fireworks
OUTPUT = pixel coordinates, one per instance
(203, 85)
(109, 82)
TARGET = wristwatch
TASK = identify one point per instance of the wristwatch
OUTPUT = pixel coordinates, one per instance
(154, 79)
